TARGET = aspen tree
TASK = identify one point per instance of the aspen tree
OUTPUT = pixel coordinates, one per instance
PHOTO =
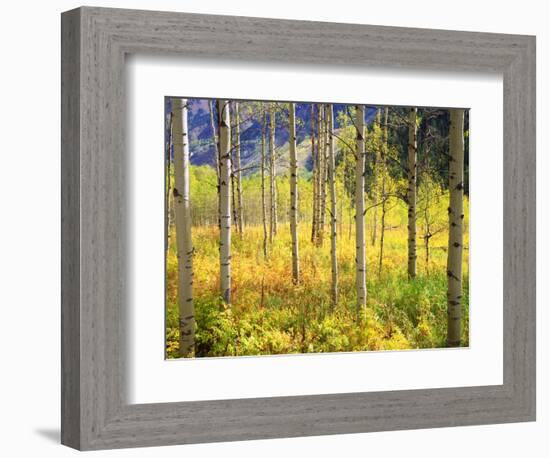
(314, 175)
(320, 173)
(323, 139)
(233, 187)
(360, 275)
(238, 173)
(456, 228)
(411, 194)
(263, 167)
(333, 220)
(383, 170)
(225, 200)
(215, 140)
(183, 229)
(376, 180)
(293, 194)
(272, 177)
(168, 205)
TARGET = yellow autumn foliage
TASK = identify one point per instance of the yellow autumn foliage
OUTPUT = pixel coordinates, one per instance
(271, 315)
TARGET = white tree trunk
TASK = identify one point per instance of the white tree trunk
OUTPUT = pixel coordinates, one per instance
(183, 229)
(214, 137)
(319, 176)
(383, 170)
(313, 176)
(333, 220)
(456, 221)
(168, 206)
(233, 188)
(411, 195)
(263, 166)
(238, 173)
(217, 151)
(272, 178)
(360, 262)
(293, 194)
(225, 200)
(323, 138)
(376, 180)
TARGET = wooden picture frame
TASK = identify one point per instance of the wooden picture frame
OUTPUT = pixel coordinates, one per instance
(95, 412)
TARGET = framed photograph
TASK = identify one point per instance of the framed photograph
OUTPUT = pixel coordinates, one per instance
(277, 228)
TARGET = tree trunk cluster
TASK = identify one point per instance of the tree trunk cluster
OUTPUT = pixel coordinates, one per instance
(323, 154)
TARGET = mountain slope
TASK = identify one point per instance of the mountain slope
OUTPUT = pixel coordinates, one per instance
(202, 149)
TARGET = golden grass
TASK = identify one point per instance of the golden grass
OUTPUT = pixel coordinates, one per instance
(269, 314)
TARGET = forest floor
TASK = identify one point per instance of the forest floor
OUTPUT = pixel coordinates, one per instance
(270, 315)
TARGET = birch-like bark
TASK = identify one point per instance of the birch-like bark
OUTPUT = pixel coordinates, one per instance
(234, 206)
(293, 194)
(225, 200)
(411, 195)
(215, 139)
(233, 188)
(320, 173)
(375, 181)
(360, 262)
(217, 151)
(456, 221)
(323, 175)
(313, 176)
(333, 220)
(263, 167)
(183, 229)
(272, 171)
(382, 166)
(168, 205)
(238, 173)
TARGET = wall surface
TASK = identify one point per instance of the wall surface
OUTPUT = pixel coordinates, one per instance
(30, 245)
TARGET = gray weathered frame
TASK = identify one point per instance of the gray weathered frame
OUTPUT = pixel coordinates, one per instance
(95, 414)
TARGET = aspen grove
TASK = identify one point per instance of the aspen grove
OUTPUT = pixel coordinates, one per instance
(314, 227)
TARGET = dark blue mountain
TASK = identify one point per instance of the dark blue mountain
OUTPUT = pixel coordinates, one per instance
(202, 148)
